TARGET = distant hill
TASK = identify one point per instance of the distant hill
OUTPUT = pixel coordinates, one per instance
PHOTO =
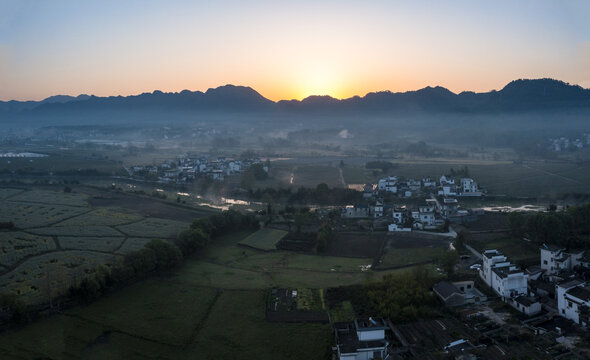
(518, 95)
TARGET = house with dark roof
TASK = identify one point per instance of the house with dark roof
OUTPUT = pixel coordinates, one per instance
(356, 211)
(527, 305)
(361, 339)
(555, 259)
(573, 301)
(458, 293)
(505, 278)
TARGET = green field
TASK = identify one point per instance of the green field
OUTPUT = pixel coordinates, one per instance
(342, 312)
(514, 248)
(211, 307)
(311, 175)
(264, 239)
(408, 256)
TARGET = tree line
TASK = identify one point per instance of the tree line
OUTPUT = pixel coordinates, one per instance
(321, 195)
(569, 228)
(400, 297)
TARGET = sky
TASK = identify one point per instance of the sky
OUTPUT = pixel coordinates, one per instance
(287, 49)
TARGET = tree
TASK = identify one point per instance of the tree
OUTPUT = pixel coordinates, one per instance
(167, 254)
(448, 259)
(460, 240)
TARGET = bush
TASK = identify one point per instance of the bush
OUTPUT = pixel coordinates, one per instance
(168, 255)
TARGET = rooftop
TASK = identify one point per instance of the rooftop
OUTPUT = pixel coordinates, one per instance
(570, 283)
(347, 339)
(526, 300)
(446, 289)
(370, 324)
(551, 247)
(581, 292)
(504, 271)
(491, 253)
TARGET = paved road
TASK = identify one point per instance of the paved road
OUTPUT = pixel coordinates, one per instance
(475, 252)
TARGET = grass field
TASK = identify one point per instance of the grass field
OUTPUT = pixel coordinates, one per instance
(152, 227)
(311, 175)
(156, 310)
(407, 256)
(224, 337)
(516, 249)
(264, 239)
(342, 312)
(211, 307)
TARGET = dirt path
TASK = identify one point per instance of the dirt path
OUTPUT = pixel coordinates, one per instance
(474, 252)
(342, 177)
(292, 176)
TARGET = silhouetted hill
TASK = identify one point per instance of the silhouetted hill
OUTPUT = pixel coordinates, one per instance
(518, 95)
(16, 106)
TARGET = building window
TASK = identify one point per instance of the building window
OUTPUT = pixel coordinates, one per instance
(545, 262)
(563, 311)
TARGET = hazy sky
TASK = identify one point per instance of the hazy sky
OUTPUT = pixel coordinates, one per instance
(287, 49)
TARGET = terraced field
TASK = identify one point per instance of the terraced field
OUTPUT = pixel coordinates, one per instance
(59, 238)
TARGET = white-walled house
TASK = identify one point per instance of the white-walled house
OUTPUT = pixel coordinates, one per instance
(469, 188)
(427, 219)
(400, 214)
(526, 305)
(378, 208)
(506, 279)
(388, 184)
(398, 227)
(428, 182)
(573, 301)
(555, 259)
(361, 339)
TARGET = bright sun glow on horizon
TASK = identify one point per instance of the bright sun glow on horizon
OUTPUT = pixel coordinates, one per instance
(319, 80)
(287, 50)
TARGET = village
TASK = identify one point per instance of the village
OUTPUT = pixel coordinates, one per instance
(440, 207)
(185, 169)
(553, 301)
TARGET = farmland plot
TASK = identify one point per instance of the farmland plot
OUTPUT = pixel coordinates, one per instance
(154, 228)
(264, 239)
(103, 244)
(7, 192)
(77, 231)
(53, 272)
(104, 216)
(27, 215)
(132, 244)
(52, 197)
(18, 245)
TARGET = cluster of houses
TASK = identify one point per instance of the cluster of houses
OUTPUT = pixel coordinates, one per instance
(446, 186)
(555, 285)
(186, 169)
(572, 290)
(429, 216)
(559, 285)
(442, 206)
(563, 143)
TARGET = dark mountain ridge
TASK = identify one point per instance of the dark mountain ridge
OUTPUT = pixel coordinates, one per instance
(518, 95)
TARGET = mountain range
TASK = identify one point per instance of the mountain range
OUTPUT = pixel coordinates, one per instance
(517, 96)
